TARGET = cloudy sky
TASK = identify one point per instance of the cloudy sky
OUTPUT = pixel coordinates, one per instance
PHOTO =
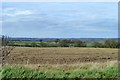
(60, 19)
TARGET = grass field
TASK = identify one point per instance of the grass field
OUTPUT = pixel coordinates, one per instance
(61, 62)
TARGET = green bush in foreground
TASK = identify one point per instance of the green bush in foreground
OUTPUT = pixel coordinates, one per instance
(22, 72)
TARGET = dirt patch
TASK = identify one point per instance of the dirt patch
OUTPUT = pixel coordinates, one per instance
(27, 55)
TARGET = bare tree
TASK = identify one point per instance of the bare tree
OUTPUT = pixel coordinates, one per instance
(5, 48)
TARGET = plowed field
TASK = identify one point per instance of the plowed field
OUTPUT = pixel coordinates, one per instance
(28, 55)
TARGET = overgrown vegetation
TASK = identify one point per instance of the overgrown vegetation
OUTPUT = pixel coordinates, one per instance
(23, 72)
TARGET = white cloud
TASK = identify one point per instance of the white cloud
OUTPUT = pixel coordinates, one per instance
(16, 13)
(8, 9)
(26, 12)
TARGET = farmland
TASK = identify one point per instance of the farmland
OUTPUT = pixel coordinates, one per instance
(60, 55)
(62, 62)
(60, 59)
(60, 40)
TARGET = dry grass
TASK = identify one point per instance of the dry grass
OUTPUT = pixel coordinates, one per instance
(72, 67)
(62, 50)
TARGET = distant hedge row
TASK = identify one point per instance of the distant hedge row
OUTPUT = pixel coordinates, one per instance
(67, 43)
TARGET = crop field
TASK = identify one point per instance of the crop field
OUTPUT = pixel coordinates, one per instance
(59, 55)
(61, 62)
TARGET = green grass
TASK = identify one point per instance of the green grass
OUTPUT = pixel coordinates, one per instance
(23, 72)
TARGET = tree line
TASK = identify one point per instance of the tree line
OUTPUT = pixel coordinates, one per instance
(111, 43)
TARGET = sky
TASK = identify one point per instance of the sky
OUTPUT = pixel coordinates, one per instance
(60, 0)
(60, 19)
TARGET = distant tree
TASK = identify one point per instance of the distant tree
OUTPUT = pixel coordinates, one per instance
(40, 40)
(33, 44)
(114, 44)
(64, 43)
(57, 40)
(111, 44)
(98, 45)
(44, 45)
(72, 41)
(78, 43)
